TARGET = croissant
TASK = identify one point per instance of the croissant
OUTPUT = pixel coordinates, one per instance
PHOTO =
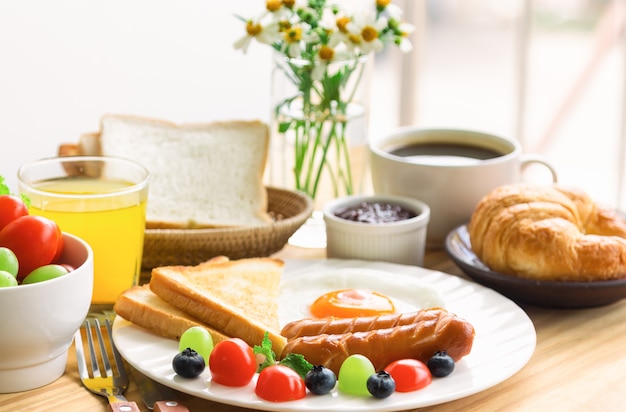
(548, 233)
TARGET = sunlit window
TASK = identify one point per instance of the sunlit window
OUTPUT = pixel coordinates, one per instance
(549, 73)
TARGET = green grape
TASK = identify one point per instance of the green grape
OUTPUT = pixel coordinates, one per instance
(7, 279)
(199, 339)
(44, 273)
(353, 375)
(8, 261)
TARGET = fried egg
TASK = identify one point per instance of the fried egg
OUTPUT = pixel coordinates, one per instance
(404, 293)
(348, 303)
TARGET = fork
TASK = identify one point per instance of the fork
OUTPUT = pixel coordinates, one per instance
(99, 377)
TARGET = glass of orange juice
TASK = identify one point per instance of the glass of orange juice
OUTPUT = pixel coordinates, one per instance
(101, 199)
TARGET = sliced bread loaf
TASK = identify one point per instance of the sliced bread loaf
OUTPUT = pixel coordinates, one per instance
(202, 175)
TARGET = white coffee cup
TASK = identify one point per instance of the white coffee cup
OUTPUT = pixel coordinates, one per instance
(448, 169)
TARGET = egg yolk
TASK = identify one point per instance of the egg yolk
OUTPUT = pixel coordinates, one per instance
(349, 303)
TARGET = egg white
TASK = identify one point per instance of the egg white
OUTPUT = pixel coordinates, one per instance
(408, 294)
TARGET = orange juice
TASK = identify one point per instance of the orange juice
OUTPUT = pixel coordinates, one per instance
(108, 216)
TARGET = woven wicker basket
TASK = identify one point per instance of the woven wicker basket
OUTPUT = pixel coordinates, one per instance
(289, 209)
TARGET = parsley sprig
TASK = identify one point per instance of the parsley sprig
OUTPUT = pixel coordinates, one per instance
(293, 360)
(4, 190)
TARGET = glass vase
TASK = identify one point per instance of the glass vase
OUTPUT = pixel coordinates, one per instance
(319, 130)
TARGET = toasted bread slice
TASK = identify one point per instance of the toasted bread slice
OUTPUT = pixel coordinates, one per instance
(142, 307)
(239, 297)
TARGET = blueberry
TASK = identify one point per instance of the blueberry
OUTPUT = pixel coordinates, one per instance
(188, 363)
(320, 380)
(381, 385)
(441, 364)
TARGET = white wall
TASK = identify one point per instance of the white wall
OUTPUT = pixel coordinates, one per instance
(64, 63)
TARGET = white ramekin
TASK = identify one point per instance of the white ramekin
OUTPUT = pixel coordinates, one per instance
(401, 242)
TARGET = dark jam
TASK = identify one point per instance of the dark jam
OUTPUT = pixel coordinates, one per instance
(375, 212)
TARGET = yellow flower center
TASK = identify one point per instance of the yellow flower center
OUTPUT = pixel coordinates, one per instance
(381, 4)
(326, 53)
(354, 38)
(342, 23)
(369, 33)
(273, 5)
(293, 35)
(253, 29)
(289, 3)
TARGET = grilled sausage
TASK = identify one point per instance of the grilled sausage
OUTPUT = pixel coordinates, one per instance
(438, 330)
(333, 326)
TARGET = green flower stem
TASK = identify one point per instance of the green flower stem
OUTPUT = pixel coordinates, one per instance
(317, 142)
(300, 151)
(323, 162)
(345, 148)
(316, 117)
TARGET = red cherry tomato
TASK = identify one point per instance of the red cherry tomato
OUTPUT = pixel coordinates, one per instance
(232, 362)
(35, 240)
(409, 374)
(278, 383)
(11, 207)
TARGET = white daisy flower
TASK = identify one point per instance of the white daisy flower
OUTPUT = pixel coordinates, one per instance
(365, 32)
(278, 9)
(324, 58)
(405, 45)
(255, 30)
(405, 29)
(294, 37)
(392, 10)
(335, 26)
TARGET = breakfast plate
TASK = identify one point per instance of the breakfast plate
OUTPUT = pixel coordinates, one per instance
(554, 294)
(504, 342)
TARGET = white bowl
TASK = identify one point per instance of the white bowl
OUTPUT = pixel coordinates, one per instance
(39, 320)
(403, 241)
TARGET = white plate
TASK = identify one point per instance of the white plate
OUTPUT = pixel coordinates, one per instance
(505, 341)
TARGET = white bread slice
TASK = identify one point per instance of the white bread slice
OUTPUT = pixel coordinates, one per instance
(239, 297)
(202, 175)
(142, 307)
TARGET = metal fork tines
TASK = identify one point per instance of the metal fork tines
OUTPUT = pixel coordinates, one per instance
(98, 374)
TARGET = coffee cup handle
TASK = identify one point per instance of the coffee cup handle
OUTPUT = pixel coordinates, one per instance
(528, 159)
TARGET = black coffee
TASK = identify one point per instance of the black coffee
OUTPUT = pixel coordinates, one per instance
(448, 153)
(445, 150)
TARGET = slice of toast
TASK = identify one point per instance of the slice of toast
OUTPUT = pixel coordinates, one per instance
(142, 307)
(238, 298)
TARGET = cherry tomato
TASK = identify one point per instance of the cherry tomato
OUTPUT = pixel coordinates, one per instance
(278, 383)
(11, 207)
(232, 362)
(35, 240)
(409, 374)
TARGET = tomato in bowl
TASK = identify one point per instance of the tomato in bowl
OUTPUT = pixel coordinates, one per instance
(40, 320)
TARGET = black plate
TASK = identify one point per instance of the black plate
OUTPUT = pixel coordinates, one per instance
(552, 294)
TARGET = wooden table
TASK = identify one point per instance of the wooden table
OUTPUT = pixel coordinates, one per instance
(579, 365)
